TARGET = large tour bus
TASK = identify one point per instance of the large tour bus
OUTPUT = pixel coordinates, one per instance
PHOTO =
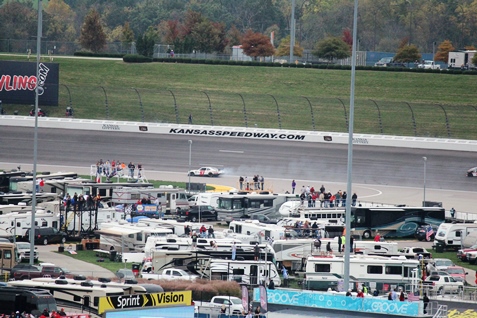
(244, 205)
(393, 221)
(30, 300)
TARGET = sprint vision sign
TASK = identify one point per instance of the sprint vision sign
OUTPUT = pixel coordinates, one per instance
(145, 300)
(18, 83)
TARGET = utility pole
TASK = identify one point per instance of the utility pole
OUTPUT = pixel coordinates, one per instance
(292, 31)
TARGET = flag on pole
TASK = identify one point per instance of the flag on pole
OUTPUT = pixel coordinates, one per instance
(429, 232)
(263, 298)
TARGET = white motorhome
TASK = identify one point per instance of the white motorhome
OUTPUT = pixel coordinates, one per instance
(261, 231)
(450, 234)
(292, 253)
(170, 198)
(17, 223)
(127, 237)
(207, 198)
(177, 228)
(245, 272)
(53, 206)
(461, 59)
(234, 206)
(323, 272)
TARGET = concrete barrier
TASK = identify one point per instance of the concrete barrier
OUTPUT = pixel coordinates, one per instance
(241, 132)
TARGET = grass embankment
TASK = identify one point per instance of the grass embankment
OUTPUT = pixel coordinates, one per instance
(242, 95)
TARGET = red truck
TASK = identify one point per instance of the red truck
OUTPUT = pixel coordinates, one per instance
(38, 271)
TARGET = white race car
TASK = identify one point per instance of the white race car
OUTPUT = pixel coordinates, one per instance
(205, 172)
(472, 172)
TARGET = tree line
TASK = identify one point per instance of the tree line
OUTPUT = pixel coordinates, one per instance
(216, 26)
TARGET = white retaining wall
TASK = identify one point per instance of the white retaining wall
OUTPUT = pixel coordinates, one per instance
(241, 132)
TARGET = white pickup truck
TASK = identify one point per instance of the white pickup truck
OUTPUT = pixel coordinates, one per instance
(443, 284)
(414, 252)
(232, 305)
(429, 65)
(170, 274)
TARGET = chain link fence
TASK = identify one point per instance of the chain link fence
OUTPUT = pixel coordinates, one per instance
(182, 106)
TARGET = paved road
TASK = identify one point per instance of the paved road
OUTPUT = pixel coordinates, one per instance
(48, 254)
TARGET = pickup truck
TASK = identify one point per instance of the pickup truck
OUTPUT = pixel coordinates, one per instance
(414, 252)
(429, 65)
(442, 284)
(170, 274)
(38, 271)
(232, 305)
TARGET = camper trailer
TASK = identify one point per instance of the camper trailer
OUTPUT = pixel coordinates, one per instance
(171, 199)
(127, 237)
(244, 272)
(208, 198)
(17, 223)
(461, 59)
(323, 272)
(261, 231)
(450, 234)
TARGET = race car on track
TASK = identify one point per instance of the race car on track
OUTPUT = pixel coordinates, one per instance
(472, 172)
(205, 172)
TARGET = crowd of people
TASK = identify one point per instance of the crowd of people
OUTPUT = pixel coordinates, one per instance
(44, 314)
(81, 202)
(112, 168)
(312, 197)
(257, 182)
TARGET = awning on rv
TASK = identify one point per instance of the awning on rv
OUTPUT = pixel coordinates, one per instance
(115, 231)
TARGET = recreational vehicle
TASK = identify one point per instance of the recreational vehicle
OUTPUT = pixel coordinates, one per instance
(244, 272)
(261, 231)
(461, 59)
(127, 237)
(42, 175)
(198, 261)
(17, 223)
(451, 234)
(171, 199)
(244, 205)
(105, 190)
(208, 198)
(293, 253)
(381, 273)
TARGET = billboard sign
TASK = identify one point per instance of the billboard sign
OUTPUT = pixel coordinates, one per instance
(145, 300)
(18, 82)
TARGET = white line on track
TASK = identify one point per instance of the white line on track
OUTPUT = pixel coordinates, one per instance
(232, 151)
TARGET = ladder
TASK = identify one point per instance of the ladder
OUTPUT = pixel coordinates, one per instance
(141, 176)
(204, 265)
(441, 312)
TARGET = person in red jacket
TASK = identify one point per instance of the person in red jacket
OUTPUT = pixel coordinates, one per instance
(360, 294)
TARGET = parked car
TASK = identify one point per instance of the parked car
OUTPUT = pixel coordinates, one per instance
(458, 272)
(442, 263)
(198, 212)
(45, 235)
(23, 249)
(383, 62)
(462, 253)
(205, 172)
(23, 267)
(421, 231)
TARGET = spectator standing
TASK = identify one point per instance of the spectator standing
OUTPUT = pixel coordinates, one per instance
(285, 276)
(194, 239)
(256, 252)
(329, 251)
(354, 199)
(293, 184)
(131, 167)
(339, 243)
(452, 212)
(241, 182)
(234, 251)
(426, 302)
(262, 181)
(211, 232)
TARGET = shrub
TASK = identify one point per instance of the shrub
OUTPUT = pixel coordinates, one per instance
(134, 58)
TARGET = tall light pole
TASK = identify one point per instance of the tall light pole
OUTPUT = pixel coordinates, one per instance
(190, 157)
(425, 168)
(292, 31)
(347, 256)
(35, 138)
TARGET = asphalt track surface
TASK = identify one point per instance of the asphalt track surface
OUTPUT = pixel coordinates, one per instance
(380, 174)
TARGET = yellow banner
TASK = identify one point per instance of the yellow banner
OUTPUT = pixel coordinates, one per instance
(145, 300)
